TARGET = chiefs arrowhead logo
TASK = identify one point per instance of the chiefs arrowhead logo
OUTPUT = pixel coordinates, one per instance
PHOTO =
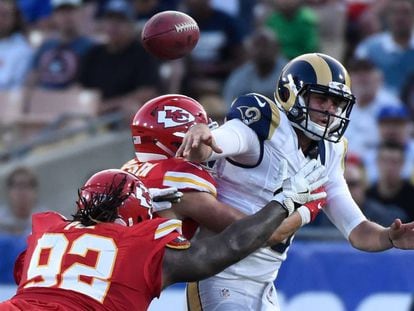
(174, 116)
(143, 195)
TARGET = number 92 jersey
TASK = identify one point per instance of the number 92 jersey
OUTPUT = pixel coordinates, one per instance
(102, 267)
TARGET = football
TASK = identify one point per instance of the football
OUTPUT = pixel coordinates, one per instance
(170, 35)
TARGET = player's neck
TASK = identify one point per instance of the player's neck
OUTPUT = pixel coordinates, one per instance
(303, 140)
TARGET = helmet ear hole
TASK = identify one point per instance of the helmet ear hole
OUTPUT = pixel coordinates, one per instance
(284, 93)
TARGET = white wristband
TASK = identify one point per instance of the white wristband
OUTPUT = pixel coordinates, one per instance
(305, 215)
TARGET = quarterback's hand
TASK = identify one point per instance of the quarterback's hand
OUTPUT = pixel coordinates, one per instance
(163, 199)
(299, 188)
(198, 144)
(401, 235)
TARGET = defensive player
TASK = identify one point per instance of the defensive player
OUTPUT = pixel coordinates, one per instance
(113, 256)
(157, 131)
(308, 120)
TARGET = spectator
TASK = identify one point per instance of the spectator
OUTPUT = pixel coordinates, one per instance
(261, 70)
(407, 96)
(296, 27)
(331, 16)
(57, 61)
(15, 51)
(218, 52)
(393, 50)
(22, 192)
(356, 179)
(370, 97)
(35, 12)
(355, 176)
(144, 9)
(363, 20)
(120, 69)
(242, 10)
(394, 126)
(391, 188)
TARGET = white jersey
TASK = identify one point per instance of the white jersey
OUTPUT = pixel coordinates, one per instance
(250, 187)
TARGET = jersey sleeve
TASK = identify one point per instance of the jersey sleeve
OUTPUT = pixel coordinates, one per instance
(341, 209)
(257, 112)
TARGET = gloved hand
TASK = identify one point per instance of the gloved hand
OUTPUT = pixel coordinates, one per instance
(163, 199)
(297, 190)
(310, 210)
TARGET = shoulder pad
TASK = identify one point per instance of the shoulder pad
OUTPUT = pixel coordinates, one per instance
(166, 227)
(43, 221)
(169, 226)
(189, 176)
(256, 111)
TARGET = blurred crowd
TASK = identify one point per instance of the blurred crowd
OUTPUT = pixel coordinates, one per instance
(64, 63)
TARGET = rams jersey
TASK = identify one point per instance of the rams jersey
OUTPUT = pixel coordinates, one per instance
(179, 173)
(249, 188)
(102, 267)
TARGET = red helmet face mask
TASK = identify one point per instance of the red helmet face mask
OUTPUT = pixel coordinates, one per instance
(160, 124)
(135, 204)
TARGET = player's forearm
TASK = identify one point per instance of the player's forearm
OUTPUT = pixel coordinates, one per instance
(288, 227)
(254, 231)
(211, 255)
(371, 237)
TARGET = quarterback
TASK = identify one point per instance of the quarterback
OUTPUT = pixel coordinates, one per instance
(114, 256)
(308, 120)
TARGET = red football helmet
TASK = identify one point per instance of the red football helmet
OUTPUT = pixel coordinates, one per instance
(117, 187)
(160, 124)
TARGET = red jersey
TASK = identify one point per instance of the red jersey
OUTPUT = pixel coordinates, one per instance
(174, 172)
(101, 267)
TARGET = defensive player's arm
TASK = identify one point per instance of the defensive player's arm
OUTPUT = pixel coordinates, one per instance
(205, 209)
(209, 256)
(216, 216)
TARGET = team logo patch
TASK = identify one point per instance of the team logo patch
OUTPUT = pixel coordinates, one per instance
(249, 115)
(174, 116)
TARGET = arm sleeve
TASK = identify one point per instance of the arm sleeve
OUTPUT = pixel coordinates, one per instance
(341, 208)
(238, 141)
(344, 213)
